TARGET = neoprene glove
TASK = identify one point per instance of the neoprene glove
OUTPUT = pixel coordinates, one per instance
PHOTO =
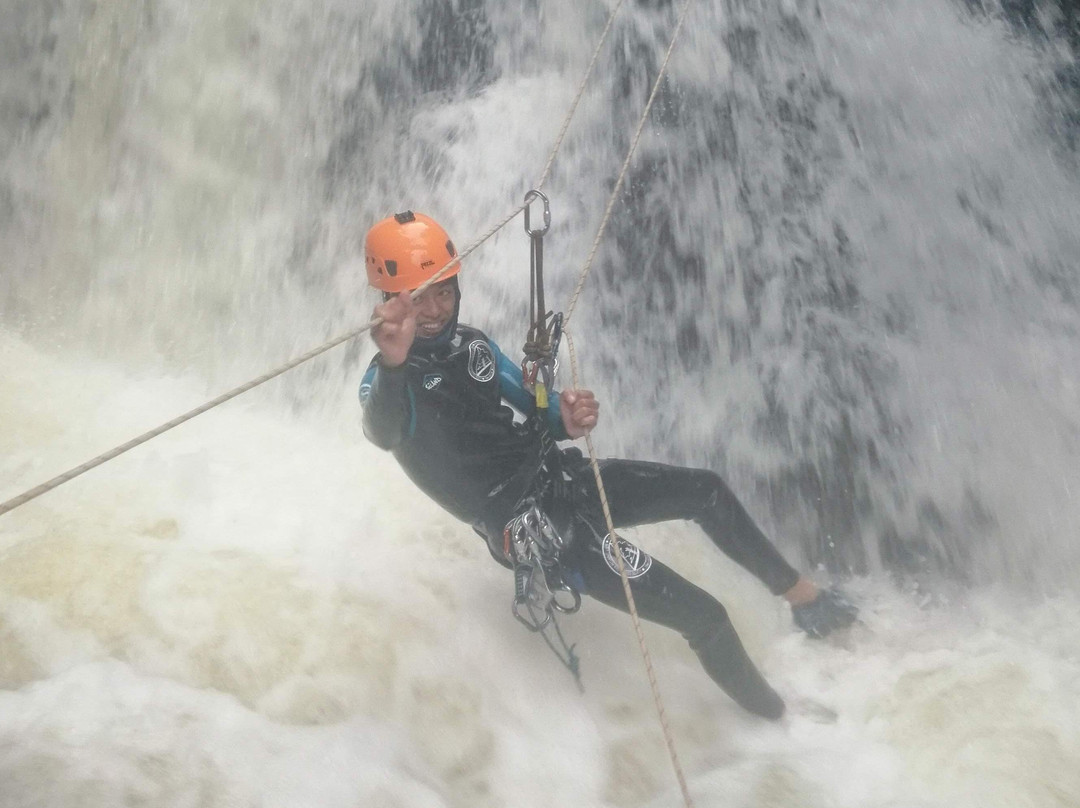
(829, 611)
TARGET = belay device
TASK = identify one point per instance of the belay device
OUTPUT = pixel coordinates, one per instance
(531, 540)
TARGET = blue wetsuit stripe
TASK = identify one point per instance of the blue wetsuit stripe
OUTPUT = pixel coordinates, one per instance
(367, 381)
(511, 384)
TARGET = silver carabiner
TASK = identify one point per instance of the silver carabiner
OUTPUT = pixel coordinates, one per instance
(557, 587)
(532, 593)
(529, 197)
(559, 607)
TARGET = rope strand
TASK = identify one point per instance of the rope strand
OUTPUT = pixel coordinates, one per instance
(625, 166)
(105, 457)
(654, 685)
(580, 93)
(639, 632)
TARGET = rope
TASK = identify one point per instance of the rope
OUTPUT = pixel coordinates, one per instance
(67, 476)
(625, 166)
(71, 474)
(580, 93)
(616, 550)
(639, 632)
(567, 657)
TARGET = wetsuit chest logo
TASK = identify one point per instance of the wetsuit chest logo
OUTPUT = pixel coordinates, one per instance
(432, 380)
(481, 361)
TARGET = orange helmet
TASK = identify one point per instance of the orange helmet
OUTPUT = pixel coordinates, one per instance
(405, 250)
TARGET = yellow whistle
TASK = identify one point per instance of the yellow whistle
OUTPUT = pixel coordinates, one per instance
(541, 396)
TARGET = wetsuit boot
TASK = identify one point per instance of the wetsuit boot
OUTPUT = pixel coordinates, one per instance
(726, 661)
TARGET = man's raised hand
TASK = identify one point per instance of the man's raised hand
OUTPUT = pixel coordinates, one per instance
(395, 335)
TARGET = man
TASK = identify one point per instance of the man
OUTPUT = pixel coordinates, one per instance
(434, 395)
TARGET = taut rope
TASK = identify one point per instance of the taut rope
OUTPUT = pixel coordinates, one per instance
(639, 632)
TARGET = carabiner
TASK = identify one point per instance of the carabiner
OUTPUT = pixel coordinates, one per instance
(529, 596)
(530, 621)
(559, 607)
(529, 369)
(529, 197)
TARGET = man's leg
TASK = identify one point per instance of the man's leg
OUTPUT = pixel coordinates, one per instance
(664, 597)
(644, 493)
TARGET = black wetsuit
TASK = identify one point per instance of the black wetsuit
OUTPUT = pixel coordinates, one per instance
(443, 417)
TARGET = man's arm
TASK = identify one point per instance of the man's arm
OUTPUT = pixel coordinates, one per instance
(389, 406)
(389, 409)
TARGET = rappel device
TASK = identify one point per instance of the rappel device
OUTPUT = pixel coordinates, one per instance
(531, 541)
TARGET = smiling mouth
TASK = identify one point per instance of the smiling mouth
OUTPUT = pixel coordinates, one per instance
(430, 329)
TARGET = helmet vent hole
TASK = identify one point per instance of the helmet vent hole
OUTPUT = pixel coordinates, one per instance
(450, 248)
(391, 268)
(404, 217)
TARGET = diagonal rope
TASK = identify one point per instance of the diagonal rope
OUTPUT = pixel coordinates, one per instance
(654, 685)
(581, 91)
(71, 474)
(625, 167)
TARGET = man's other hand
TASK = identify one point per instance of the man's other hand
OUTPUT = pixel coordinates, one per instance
(580, 410)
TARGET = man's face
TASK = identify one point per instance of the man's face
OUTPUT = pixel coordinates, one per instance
(434, 308)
